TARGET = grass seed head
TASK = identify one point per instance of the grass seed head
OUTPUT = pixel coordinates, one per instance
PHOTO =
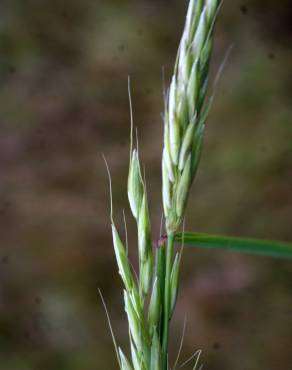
(184, 109)
(184, 121)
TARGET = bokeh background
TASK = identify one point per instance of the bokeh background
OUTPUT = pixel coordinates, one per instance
(63, 102)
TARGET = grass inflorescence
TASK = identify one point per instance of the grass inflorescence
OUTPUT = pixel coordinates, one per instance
(151, 297)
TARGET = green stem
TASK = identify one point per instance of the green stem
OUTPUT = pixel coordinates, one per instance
(161, 277)
(166, 313)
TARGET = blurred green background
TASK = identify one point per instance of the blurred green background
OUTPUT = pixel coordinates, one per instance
(63, 102)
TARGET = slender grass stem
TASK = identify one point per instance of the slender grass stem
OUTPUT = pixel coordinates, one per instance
(160, 270)
(166, 313)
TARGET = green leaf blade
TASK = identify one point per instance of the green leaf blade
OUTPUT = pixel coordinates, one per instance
(236, 244)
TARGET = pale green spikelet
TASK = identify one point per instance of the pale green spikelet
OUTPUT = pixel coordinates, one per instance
(135, 184)
(186, 146)
(136, 302)
(139, 336)
(138, 202)
(133, 320)
(211, 6)
(146, 275)
(167, 155)
(183, 188)
(134, 354)
(145, 247)
(201, 34)
(125, 365)
(144, 237)
(154, 310)
(174, 282)
(166, 189)
(174, 132)
(183, 110)
(197, 150)
(122, 259)
(156, 360)
(193, 89)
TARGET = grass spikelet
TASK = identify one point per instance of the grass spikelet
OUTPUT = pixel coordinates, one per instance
(135, 184)
(122, 259)
(125, 365)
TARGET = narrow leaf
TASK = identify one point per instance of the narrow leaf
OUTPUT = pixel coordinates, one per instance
(235, 244)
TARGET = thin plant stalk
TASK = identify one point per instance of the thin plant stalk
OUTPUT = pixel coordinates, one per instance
(167, 313)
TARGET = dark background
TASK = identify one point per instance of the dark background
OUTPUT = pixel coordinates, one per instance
(63, 102)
